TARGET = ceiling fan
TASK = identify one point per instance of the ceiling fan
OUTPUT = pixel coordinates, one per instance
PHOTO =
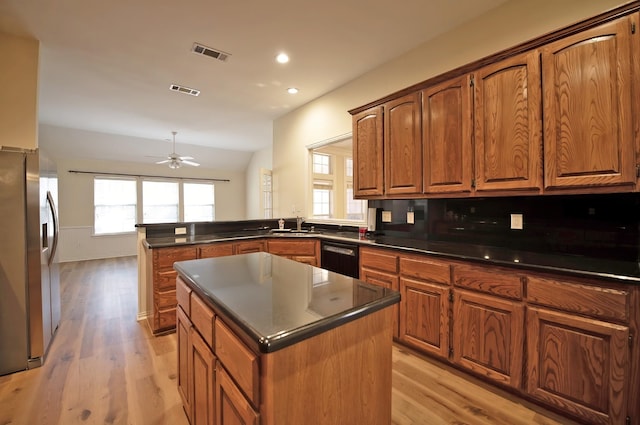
(174, 160)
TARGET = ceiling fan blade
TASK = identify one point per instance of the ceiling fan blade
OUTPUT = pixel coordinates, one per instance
(163, 162)
(186, 158)
(195, 164)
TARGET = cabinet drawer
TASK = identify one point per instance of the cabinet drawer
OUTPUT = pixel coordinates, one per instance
(165, 299)
(183, 293)
(165, 257)
(202, 318)
(165, 280)
(596, 301)
(248, 247)
(241, 362)
(165, 319)
(312, 261)
(379, 260)
(215, 250)
(489, 280)
(292, 247)
(426, 269)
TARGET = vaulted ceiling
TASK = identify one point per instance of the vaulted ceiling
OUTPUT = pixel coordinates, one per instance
(107, 66)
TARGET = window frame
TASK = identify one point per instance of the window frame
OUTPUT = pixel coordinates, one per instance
(136, 213)
(340, 151)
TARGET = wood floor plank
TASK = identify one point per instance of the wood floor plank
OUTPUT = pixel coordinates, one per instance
(104, 367)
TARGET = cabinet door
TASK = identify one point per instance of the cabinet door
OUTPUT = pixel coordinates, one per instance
(183, 330)
(384, 280)
(202, 394)
(588, 117)
(215, 250)
(508, 135)
(578, 365)
(403, 145)
(488, 336)
(424, 316)
(231, 406)
(446, 136)
(368, 177)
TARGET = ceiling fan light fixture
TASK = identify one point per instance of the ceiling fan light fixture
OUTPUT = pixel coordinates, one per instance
(174, 160)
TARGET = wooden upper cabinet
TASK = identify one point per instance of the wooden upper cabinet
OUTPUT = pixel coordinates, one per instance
(588, 118)
(403, 145)
(508, 137)
(368, 177)
(446, 136)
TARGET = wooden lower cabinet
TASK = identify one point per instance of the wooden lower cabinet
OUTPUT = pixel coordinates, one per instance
(380, 267)
(424, 316)
(231, 406)
(425, 288)
(569, 343)
(579, 365)
(209, 394)
(203, 378)
(183, 331)
(232, 384)
(384, 280)
(161, 285)
(488, 336)
(304, 251)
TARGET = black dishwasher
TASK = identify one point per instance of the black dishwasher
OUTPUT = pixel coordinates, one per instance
(340, 257)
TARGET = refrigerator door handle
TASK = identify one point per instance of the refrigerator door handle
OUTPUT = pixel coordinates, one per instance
(54, 215)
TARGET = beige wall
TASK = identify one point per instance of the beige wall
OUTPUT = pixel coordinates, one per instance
(19, 92)
(508, 25)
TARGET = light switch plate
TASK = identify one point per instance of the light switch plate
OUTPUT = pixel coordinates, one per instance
(410, 217)
(517, 222)
(386, 216)
(181, 230)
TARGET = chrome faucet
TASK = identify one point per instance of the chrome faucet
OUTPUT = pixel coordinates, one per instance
(299, 221)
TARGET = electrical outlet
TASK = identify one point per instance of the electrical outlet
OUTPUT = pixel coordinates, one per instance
(410, 217)
(517, 221)
(386, 216)
(181, 230)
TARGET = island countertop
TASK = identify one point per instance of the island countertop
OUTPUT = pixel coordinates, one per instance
(277, 302)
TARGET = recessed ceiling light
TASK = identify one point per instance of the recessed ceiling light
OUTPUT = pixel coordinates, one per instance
(292, 90)
(282, 58)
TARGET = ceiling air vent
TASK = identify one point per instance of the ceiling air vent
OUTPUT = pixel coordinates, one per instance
(208, 51)
(183, 89)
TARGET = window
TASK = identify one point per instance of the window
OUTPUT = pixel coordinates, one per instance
(331, 166)
(114, 203)
(322, 194)
(266, 192)
(160, 202)
(321, 164)
(199, 202)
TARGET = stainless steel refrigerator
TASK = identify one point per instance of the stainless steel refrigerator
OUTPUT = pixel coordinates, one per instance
(29, 273)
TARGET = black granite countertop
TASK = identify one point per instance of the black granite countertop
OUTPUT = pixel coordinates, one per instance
(577, 265)
(278, 302)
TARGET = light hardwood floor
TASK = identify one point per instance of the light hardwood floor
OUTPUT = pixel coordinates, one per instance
(104, 367)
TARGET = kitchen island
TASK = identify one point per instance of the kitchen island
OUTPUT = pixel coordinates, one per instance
(267, 340)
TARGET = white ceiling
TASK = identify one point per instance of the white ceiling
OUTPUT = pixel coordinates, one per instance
(106, 66)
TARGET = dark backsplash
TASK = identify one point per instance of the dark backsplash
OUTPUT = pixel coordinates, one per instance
(598, 226)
